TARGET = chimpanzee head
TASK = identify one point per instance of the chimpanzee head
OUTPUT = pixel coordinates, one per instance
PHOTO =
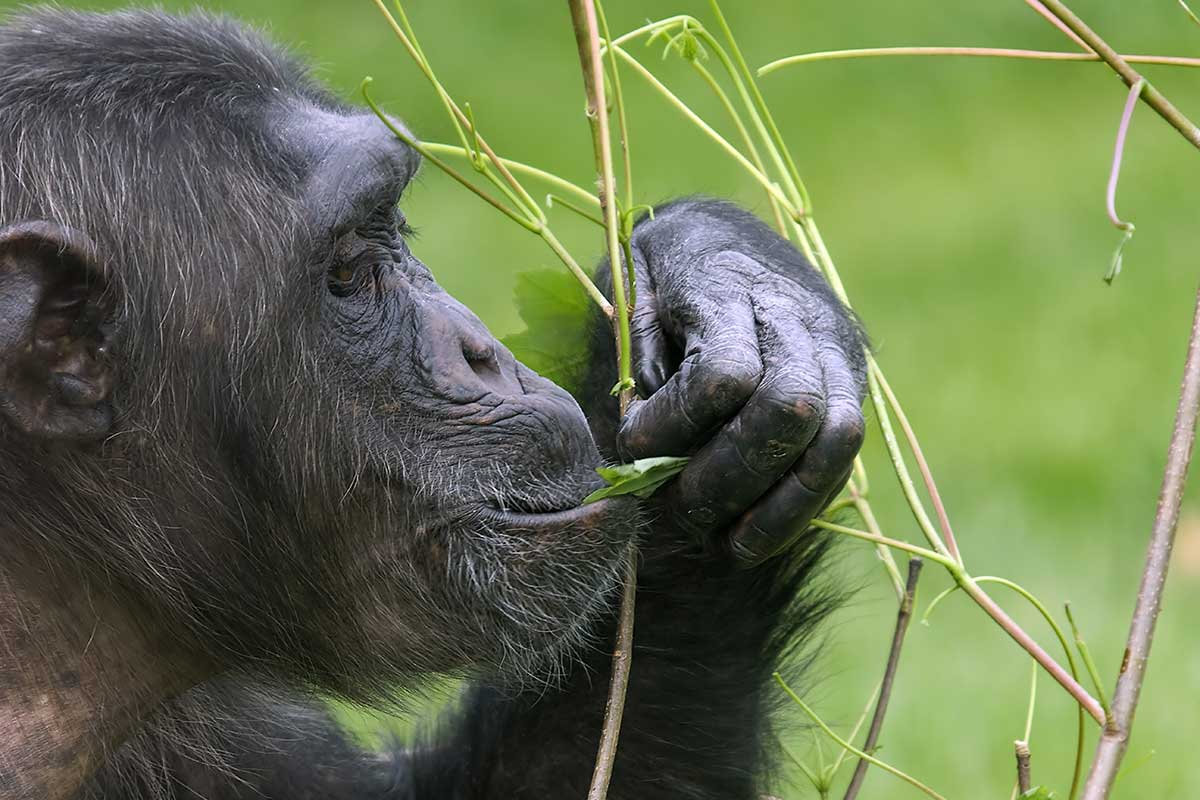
(230, 390)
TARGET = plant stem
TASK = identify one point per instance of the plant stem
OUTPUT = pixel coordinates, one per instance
(597, 296)
(1188, 10)
(587, 40)
(883, 418)
(1115, 738)
(863, 506)
(1022, 750)
(760, 114)
(847, 746)
(771, 187)
(576, 191)
(1042, 11)
(555, 200)
(916, 550)
(1110, 195)
(1119, 151)
(842, 754)
(922, 466)
(970, 52)
(993, 610)
(1151, 96)
(903, 616)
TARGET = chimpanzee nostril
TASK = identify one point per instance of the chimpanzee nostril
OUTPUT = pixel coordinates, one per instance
(464, 358)
(481, 356)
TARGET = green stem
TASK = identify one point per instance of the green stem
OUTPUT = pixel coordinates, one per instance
(432, 158)
(923, 552)
(744, 134)
(575, 190)
(553, 200)
(914, 445)
(976, 52)
(883, 418)
(624, 232)
(772, 188)
(862, 718)
(863, 506)
(597, 296)
(851, 748)
(593, 71)
(619, 101)
(1088, 663)
(651, 27)
(993, 610)
(762, 114)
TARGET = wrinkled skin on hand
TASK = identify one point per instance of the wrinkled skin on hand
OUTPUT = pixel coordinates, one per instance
(748, 363)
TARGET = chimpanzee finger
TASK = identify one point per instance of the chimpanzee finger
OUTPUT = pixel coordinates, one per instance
(750, 454)
(720, 370)
(648, 341)
(779, 516)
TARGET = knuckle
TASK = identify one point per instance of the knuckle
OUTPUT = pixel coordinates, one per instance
(731, 377)
(798, 406)
(848, 431)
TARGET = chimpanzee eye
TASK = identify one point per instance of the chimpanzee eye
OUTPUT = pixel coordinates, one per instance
(343, 279)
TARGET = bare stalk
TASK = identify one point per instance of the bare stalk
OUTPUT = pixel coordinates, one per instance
(1023, 778)
(1115, 739)
(587, 39)
(903, 617)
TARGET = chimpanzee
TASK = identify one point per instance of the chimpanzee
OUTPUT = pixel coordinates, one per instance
(247, 444)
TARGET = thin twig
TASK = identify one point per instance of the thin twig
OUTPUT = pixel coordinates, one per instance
(1150, 96)
(903, 616)
(969, 52)
(1064, 678)
(587, 40)
(1022, 750)
(1111, 748)
(1037, 6)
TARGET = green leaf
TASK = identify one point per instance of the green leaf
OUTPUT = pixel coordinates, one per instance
(642, 478)
(620, 386)
(1038, 793)
(555, 310)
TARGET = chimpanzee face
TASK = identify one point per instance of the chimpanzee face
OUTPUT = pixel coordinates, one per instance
(286, 440)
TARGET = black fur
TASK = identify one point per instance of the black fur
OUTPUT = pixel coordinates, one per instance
(322, 476)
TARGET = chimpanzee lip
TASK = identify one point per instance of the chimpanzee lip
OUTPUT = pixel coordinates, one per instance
(577, 515)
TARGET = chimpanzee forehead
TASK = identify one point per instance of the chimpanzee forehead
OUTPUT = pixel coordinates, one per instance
(354, 163)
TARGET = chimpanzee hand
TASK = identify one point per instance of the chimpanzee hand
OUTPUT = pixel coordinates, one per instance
(748, 363)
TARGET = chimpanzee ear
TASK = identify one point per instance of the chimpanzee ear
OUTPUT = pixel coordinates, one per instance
(57, 315)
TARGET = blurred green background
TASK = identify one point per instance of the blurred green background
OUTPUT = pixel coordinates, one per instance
(964, 203)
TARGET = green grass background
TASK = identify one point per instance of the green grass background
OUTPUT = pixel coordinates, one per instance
(963, 201)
